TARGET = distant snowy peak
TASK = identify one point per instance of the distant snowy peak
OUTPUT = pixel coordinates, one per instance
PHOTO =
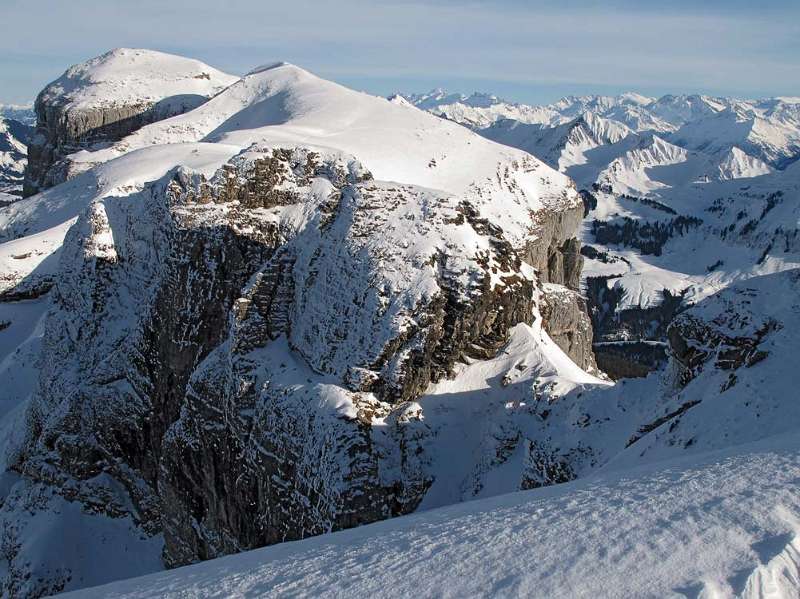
(125, 75)
(766, 129)
(479, 110)
(439, 97)
(14, 138)
(736, 164)
(571, 106)
(23, 113)
(562, 145)
(772, 140)
(601, 129)
(678, 110)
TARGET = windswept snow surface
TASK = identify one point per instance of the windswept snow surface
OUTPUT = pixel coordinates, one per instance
(724, 524)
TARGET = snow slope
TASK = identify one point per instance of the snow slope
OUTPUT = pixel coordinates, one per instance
(281, 105)
(129, 75)
(723, 524)
(284, 105)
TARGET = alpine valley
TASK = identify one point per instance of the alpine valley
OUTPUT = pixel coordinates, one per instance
(553, 347)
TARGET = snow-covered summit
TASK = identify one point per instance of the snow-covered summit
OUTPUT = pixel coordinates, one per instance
(104, 99)
(133, 75)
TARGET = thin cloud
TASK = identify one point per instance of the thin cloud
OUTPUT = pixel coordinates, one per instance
(630, 46)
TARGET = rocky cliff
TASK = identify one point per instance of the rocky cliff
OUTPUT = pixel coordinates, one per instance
(242, 354)
(237, 350)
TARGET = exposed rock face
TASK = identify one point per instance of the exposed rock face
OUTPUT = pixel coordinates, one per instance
(628, 342)
(556, 255)
(242, 354)
(61, 131)
(729, 339)
(567, 321)
(556, 251)
(630, 359)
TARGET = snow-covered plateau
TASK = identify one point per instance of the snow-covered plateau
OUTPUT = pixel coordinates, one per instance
(433, 345)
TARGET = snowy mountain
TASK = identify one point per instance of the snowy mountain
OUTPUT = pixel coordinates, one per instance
(477, 109)
(768, 129)
(16, 130)
(14, 138)
(282, 309)
(105, 99)
(655, 174)
(23, 113)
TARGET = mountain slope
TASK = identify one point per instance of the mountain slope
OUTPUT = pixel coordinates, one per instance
(681, 194)
(722, 524)
(262, 288)
(106, 98)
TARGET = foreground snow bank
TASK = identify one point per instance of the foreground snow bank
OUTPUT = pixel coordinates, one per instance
(722, 524)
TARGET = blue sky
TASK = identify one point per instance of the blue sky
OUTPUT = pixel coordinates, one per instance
(526, 51)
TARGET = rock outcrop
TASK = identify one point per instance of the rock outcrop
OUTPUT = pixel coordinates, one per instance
(725, 334)
(566, 320)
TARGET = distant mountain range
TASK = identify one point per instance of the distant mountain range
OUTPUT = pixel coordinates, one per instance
(685, 194)
(768, 129)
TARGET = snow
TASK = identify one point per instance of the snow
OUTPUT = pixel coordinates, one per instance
(14, 137)
(23, 113)
(463, 410)
(685, 510)
(722, 524)
(683, 153)
(134, 76)
(287, 106)
(74, 547)
(34, 228)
